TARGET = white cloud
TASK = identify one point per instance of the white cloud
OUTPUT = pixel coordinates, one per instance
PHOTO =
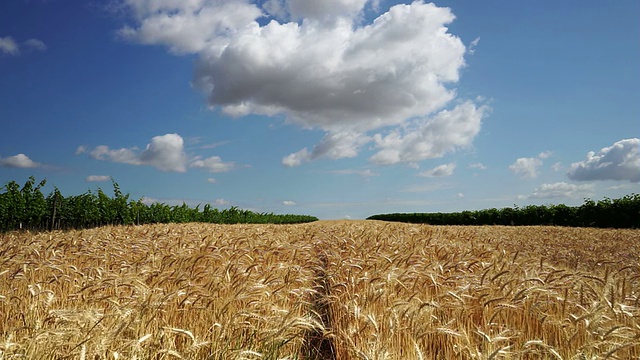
(526, 168)
(149, 201)
(8, 46)
(621, 187)
(35, 44)
(545, 154)
(439, 171)
(81, 150)
(557, 167)
(363, 173)
(213, 164)
(473, 45)
(165, 153)
(621, 161)
(289, 203)
(430, 137)
(98, 178)
(189, 26)
(321, 68)
(221, 202)
(478, 166)
(19, 161)
(327, 11)
(212, 180)
(459, 195)
(333, 145)
(563, 190)
(296, 159)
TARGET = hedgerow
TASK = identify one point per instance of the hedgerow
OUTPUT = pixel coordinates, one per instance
(607, 213)
(28, 208)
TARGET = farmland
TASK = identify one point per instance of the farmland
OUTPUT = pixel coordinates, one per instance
(323, 290)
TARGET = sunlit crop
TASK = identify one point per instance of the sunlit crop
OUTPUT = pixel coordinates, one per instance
(325, 290)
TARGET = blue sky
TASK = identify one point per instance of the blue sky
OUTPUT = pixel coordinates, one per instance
(340, 108)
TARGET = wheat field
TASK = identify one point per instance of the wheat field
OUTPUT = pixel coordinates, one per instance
(324, 290)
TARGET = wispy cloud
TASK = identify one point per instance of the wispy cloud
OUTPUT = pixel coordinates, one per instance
(364, 173)
(563, 190)
(8, 46)
(478, 166)
(98, 178)
(439, 171)
(35, 44)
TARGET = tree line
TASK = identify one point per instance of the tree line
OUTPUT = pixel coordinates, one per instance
(26, 207)
(607, 213)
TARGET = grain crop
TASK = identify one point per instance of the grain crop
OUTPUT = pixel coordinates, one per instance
(324, 290)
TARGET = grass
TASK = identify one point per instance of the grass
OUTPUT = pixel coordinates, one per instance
(325, 290)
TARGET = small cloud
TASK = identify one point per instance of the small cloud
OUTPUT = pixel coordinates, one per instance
(19, 161)
(8, 46)
(622, 187)
(472, 46)
(35, 44)
(363, 173)
(439, 171)
(149, 201)
(212, 180)
(459, 195)
(478, 166)
(98, 178)
(557, 167)
(620, 161)
(563, 190)
(426, 188)
(526, 168)
(81, 150)
(213, 164)
(221, 202)
(289, 203)
(545, 154)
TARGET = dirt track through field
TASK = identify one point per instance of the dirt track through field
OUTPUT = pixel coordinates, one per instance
(325, 290)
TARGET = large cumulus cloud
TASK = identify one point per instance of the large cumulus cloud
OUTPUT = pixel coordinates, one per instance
(321, 66)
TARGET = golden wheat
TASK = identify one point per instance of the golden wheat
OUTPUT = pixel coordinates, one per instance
(344, 290)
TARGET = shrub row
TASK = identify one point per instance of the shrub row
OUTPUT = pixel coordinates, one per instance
(607, 213)
(28, 208)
